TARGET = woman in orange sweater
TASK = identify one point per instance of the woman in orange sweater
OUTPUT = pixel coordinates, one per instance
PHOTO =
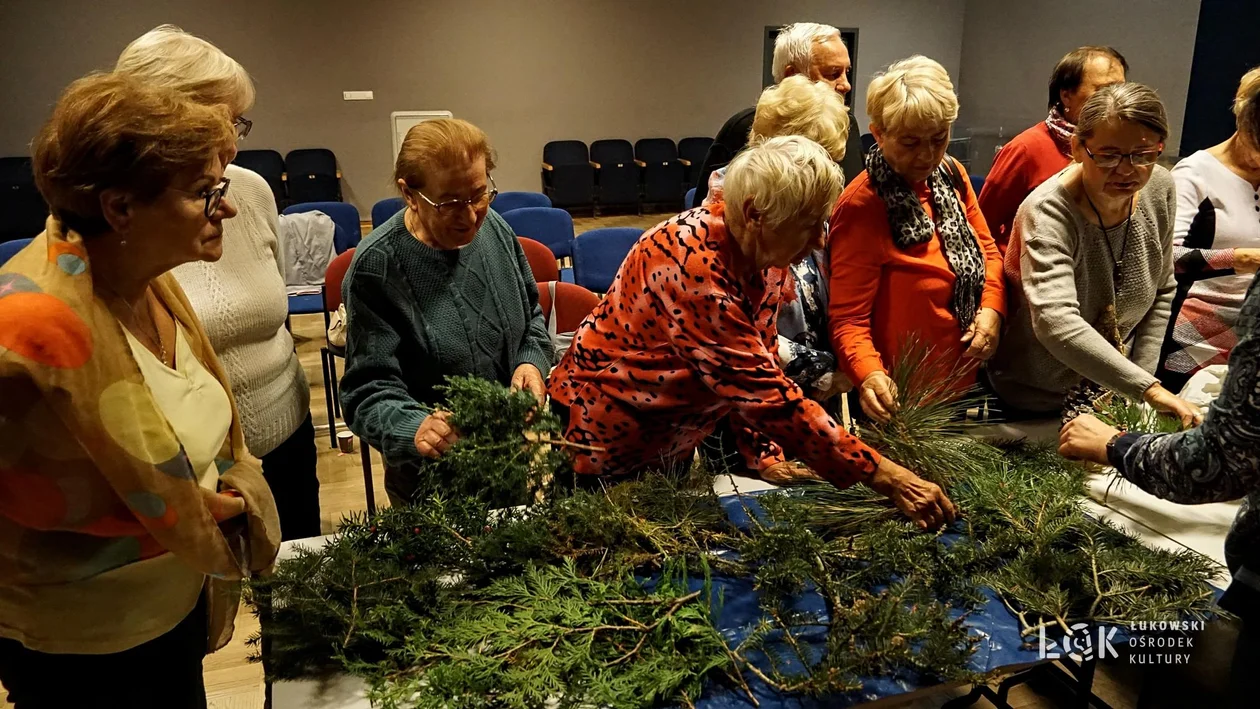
(910, 253)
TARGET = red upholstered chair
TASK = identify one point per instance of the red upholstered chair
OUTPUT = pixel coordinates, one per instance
(573, 304)
(329, 353)
(541, 261)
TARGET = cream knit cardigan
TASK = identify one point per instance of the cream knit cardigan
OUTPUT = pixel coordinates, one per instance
(241, 301)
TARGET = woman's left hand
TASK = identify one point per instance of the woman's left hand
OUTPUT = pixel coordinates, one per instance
(223, 505)
(528, 378)
(1086, 438)
(1161, 399)
(983, 334)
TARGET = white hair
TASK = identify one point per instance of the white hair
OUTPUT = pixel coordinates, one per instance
(794, 46)
(788, 178)
(912, 93)
(168, 56)
(799, 106)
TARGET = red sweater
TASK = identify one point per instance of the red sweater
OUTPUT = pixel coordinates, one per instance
(1030, 159)
(880, 293)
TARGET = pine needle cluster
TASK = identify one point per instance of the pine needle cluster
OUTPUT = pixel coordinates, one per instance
(555, 637)
(929, 434)
(504, 454)
(1115, 410)
(1028, 535)
(1055, 565)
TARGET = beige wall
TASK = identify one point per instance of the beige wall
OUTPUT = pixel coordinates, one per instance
(1009, 49)
(526, 72)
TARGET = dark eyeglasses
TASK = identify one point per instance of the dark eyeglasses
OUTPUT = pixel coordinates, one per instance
(243, 126)
(452, 206)
(1144, 158)
(214, 197)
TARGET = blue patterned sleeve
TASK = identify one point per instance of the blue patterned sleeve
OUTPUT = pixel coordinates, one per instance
(806, 366)
(1219, 460)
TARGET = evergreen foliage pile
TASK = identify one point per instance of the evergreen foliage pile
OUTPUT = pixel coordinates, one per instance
(607, 597)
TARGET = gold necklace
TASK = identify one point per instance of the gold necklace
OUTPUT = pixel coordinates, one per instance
(154, 337)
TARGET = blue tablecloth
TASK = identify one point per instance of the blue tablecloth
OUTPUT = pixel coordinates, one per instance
(997, 629)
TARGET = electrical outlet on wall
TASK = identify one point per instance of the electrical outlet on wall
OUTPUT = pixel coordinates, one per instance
(356, 95)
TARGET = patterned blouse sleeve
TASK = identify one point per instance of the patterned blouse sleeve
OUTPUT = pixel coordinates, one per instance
(705, 319)
(1194, 230)
(1219, 460)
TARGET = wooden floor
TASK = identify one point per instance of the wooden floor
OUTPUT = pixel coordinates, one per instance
(232, 682)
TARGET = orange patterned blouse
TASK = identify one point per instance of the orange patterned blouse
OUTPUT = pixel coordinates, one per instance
(682, 340)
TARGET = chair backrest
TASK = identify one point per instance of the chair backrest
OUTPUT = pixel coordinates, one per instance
(655, 150)
(333, 277)
(541, 261)
(23, 212)
(267, 163)
(270, 166)
(566, 152)
(690, 199)
(311, 161)
(573, 304)
(552, 227)
(312, 176)
(344, 216)
(9, 249)
(16, 171)
(386, 208)
(867, 141)
(507, 201)
(598, 253)
(612, 153)
(977, 183)
(694, 149)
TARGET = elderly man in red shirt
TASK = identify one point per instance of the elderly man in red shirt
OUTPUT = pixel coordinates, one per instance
(1040, 152)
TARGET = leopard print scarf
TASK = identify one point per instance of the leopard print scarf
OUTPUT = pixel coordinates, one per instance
(911, 227)
(1060, 131)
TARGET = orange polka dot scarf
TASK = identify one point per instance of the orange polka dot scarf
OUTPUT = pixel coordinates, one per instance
(92, 476)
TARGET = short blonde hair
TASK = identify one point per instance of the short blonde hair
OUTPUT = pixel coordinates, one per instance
(443, 141)
(168, 56)
(911, 94)
(788, 177)
(116, 131)
(794, 46)
(1131, 102)
(1247, 107)
(798, 106)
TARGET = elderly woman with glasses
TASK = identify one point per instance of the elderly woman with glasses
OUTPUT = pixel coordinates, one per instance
(1091, 268)
(442, 288)
(687, 337)
(130, 507)
(241, 299)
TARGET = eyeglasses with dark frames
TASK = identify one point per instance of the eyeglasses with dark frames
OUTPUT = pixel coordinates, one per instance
(1140, 158)
(243, 127)
(451, 207)
(214, 197)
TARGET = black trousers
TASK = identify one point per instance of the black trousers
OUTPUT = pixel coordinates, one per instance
(164, 673)
(290, 473)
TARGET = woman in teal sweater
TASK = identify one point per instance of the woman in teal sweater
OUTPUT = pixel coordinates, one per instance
(441, 289)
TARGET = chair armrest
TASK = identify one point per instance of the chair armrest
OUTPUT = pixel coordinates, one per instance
(284, 177)
(685, 162)
(339, 174)
(640, 163)
(594, 164)
(547, 167)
